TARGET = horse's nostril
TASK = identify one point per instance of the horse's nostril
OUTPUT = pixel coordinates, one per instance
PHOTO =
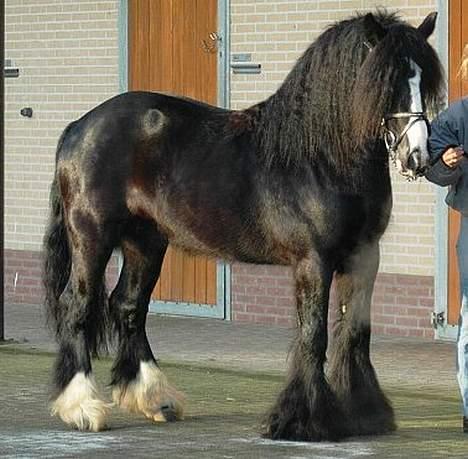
(422, 170)
(414, 161)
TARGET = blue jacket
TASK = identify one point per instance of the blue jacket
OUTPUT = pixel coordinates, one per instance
(450, 129)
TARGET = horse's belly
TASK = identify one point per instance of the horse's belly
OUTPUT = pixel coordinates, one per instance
(231, 245)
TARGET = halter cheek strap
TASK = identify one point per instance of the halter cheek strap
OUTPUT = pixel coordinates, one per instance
(392, 140)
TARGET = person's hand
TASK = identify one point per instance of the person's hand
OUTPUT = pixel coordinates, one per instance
(452, 156)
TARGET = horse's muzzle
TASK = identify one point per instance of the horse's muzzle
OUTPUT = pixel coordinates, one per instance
(416, 163)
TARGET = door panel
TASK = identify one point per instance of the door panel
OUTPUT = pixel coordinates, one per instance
(458, 37)
(166, 53)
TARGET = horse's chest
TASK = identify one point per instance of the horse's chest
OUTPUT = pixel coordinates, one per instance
(357, 220)
(335, 223)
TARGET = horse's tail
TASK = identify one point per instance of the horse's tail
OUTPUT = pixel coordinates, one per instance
(57, 260)
(56, 272)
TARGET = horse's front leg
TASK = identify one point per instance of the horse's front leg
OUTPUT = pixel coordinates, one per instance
(351, 374)
(306, 410)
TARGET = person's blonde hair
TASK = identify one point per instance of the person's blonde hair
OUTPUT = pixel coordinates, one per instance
(463, 72)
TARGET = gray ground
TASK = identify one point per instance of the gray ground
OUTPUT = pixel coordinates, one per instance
(230, 373)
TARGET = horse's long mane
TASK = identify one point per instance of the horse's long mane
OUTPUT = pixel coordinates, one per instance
(334, 98)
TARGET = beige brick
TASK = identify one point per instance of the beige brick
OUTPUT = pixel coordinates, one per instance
(265, 27)
(331, 6)
(287, 6)
(265, 7)
(350, 4)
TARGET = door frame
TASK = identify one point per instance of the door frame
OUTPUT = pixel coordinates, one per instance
(222, 308)
(444, 331)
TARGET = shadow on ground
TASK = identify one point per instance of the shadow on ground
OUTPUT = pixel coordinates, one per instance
(223, 419)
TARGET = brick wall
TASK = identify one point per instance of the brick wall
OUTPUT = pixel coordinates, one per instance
(67, 55)
(401, 305)
(262, 294)
(23, 281)
(23, 277)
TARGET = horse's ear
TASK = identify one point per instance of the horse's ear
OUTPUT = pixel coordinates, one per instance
(373, 29)
(428, 25)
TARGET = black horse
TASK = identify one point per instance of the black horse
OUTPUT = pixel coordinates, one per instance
(299, 179)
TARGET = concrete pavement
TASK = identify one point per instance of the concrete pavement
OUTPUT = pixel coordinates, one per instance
(231, 373)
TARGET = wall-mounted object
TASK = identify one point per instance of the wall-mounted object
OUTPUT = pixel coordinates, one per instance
(211, 44)
(9, 71)
(27, 112)
(241, 63)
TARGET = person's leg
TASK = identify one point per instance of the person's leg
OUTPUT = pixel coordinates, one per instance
(462, 340)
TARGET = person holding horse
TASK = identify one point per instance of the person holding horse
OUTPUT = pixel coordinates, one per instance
(448, 148)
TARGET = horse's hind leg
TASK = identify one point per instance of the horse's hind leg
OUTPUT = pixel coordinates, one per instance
(138, 383)
(306, 410)
(77, 399)
(351, 374)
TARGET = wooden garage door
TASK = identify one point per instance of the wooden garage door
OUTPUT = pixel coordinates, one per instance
(458, 37)
(172, 48)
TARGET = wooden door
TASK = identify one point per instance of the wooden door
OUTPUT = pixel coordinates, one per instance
(170, 50)
(458, 37)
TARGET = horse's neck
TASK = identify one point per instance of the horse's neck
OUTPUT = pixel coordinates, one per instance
(271, 133)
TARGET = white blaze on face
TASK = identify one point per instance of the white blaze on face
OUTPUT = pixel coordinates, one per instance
(417, 133)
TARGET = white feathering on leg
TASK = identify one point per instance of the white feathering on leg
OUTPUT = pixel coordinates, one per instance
(149, 393)
(80, 404)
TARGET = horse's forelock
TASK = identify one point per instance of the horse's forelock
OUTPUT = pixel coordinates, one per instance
(373, 93)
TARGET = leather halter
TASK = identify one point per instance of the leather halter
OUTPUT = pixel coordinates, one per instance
(392, 139)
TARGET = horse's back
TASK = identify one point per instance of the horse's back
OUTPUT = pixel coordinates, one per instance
(160, 158)
(128, 135)
(133, 115)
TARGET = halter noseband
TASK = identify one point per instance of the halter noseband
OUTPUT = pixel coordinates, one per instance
(392, 140)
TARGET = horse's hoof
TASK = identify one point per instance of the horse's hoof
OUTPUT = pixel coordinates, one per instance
(373, 425)
(152, 395)
(292, 429)
(169, 412)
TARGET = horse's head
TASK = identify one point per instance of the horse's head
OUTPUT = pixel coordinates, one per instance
(404, 80)
(406, 130)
